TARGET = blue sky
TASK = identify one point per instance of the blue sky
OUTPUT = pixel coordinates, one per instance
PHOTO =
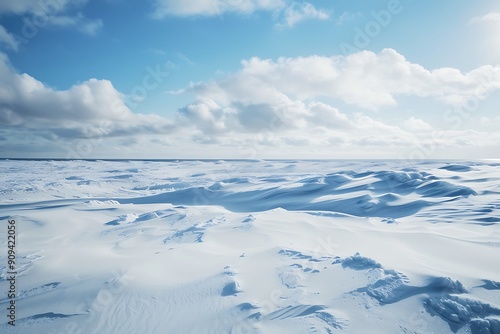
(249, 79)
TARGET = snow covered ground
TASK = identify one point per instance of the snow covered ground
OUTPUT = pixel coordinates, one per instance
(252, 246)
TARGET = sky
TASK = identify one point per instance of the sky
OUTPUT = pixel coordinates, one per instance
(250, 79)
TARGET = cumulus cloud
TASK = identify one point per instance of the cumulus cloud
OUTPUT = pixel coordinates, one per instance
(364, 79)
(165, 8)
(212, 118)
(416, 124)
(297, 12)
(91, 109)
(282, 103)
(324, 115)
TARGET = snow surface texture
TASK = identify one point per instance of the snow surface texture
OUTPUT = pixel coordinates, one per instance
(253, 246)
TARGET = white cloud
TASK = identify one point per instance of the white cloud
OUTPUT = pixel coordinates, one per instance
(364, 79)
(276, 104)
(290, 14)
(165, 8)
(416, 124)
(283, 108)
(488, 18)
(324, 115)
(297, 12)
(79, 22)
(206, 115)
(284, 125)
(91, 109)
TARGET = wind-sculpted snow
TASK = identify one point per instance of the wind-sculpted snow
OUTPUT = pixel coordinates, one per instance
(457, 168)
(461, 311)
(252, 246)
(377, 194)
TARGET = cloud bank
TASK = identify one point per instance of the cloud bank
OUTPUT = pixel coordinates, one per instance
(304, 105)
(364, 79)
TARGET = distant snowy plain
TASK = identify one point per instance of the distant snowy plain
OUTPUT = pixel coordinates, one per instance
(253, 246)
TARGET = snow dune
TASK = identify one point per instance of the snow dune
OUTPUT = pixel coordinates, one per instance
(253, 246)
